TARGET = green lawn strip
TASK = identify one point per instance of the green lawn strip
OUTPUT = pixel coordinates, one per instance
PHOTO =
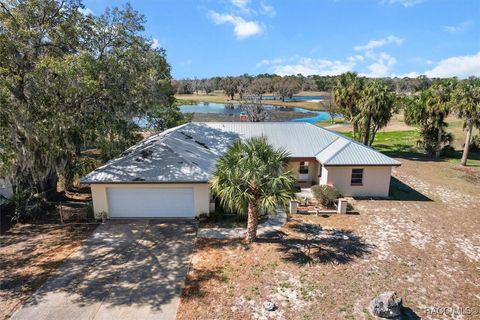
(328, 122)
(398, 143)
(394, 141)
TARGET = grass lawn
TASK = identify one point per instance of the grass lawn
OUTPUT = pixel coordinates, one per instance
(422, 243)
(29, 254)
(326, 123)
(394, 141)
(403, 144)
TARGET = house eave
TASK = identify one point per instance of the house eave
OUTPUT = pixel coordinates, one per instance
(145, 182)
(362, 165)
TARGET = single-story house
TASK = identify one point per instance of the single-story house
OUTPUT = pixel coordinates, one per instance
(167, 174)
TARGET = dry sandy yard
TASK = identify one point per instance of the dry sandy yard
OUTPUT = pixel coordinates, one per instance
(425, 244)
(29, 254)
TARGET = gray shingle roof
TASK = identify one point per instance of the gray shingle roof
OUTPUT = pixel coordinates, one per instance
(188, 153)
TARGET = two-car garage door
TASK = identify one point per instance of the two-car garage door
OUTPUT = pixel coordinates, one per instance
(151, 202)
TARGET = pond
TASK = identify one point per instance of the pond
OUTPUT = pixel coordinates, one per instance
(232, 109)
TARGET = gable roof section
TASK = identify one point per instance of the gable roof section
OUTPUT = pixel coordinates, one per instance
(298, 138)
(188, 153)
(345, 152)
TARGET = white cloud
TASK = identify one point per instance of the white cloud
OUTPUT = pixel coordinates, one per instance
(309, 66)
(241, 27)
(240, 3)
(460, 66)
(243, 7)
(155, 43)
(459, 28)
(372, 44)
(406, 75)
(382, 66)
(85, 11)
(267, 10)
(269, 62)
(405, 3)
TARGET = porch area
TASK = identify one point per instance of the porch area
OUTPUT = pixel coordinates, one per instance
(307, 171)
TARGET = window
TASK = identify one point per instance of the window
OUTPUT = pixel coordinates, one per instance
(357, 177)
(303, 169)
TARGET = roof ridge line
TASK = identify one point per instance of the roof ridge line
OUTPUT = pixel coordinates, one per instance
(328, 145)
(338, 151)
(340, 136)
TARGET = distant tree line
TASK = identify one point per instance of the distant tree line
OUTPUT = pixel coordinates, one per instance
(287, 86)
(280, 87)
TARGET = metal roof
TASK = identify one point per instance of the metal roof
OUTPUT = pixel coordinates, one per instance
(188, 153)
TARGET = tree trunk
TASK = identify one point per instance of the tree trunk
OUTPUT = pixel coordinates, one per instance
(355, 132)
(372, 137)
(439, 143)
(47, 187)
(366, 129)
(252, 223)
(467, 143)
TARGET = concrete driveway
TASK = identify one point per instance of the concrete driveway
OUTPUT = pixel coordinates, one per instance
(125, 270)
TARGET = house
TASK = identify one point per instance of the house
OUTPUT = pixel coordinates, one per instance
(167, 174)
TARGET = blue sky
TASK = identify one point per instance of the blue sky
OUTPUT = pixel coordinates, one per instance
(207, 38)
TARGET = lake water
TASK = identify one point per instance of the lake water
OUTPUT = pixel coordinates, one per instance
(231, 109)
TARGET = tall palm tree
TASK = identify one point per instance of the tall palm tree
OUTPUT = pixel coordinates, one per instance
(429, 110)
(466, 102)
(376, 107)
(252, 177)
(346, 94)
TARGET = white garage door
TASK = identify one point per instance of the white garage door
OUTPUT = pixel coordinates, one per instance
(151, 202)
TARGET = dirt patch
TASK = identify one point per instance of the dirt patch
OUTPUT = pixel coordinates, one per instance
(469, 174)
(29, 254)
(426, 246)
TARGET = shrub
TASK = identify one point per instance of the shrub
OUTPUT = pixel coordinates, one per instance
(475, 143)
(90, 214)
(26, 207)
(326, 195)
(216, 216)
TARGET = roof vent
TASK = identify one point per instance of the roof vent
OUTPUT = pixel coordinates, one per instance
(202, 144)
(146, 153)
(186, 135)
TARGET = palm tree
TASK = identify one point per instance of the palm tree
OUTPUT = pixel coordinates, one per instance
(346, 95)
(376, 108)
(466, 102)
(252, 177)
(429, 110)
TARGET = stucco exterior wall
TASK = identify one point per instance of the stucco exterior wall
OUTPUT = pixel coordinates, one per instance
(376, 180)
(313, 170)
(201, 194)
